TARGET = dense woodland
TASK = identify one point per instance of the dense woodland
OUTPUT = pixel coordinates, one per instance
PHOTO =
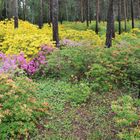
(69, 69)
(69, 10)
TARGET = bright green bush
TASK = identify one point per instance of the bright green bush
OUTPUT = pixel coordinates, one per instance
(20, 107)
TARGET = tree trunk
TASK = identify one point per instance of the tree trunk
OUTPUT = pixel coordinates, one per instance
(10, 9)
(50, 12)
(119, 15)
(55, 22)
(41, 15)
(15, 14)
(125, 16)
(97, 16)
(139, 9)
(132, 14)
(110, 24)
(82, 10)
(24, 9)
(87, 12)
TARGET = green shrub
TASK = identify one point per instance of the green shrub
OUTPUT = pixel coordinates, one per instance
(70, 63)
(60, 92)
(20, 107)
(126, 117)
(99, 78)
(105, 69)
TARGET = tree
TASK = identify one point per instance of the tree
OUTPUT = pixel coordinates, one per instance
(55, 21)
(41, 15)
(119, 15)
(132, 13)
(82, 10)
(110, 24)
(24, 9)
(97, 16)
(87, 12)
(49, 12)
(15, 13)
(125, 16)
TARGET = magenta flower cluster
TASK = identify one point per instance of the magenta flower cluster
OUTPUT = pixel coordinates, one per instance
(9, 64)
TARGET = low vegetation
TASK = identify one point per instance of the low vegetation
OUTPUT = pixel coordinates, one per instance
(81, 91)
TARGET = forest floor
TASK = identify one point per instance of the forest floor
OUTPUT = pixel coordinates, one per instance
(93, 120)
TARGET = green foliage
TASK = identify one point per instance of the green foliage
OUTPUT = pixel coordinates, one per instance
(127, 118)
(70, 63)
(20, 107)
(60, 92)
(105, 69)
(99, 78)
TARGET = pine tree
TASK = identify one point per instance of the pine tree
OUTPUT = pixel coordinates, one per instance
(110, 24)
(55, 21)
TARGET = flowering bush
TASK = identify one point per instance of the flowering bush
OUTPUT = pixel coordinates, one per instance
(84, 36)
(8, 64)
(14, 63)
(27, 38)
(20, 107)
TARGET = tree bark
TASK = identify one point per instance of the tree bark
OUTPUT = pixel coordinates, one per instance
(50, 12)
(119, 15)
(24, 9)
(97, 17)
(41, 15)
(132, 14)
(15, 14)
(82, 10)
(55, 22)
(87, 12)
(110, 24)
(125, 16)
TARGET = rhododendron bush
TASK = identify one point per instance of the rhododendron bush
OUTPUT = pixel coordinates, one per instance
(15, 63)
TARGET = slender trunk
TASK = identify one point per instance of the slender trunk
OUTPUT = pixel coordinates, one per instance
(127, 10)
(10, 7)
(110, 24)
(41, 15)
(16, 14)
(132, 14)
(24, 9)
(125, 16)
(87, 12)
(119, 15)
(55, 22)
(82, 10)
(50, 12)
(97, 16)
